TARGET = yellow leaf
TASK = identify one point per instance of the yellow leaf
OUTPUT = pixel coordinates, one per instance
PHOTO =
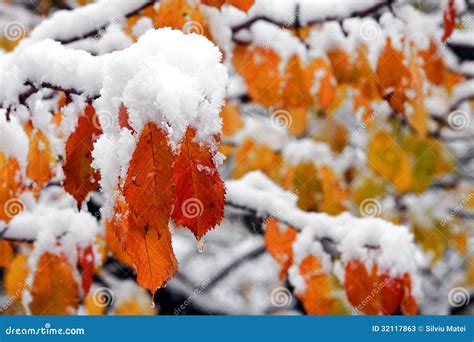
(252, 156)
(307, 185)
(387, 159)
(41, 161)
(15, 276)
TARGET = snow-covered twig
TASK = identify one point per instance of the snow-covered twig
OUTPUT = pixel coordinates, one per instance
(313, 18)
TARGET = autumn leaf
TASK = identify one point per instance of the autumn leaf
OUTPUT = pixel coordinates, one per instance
(418, 115)
(433, 64)
(359, 284)
(123, 118)
(231, 120)
(449, 19)
(364, 77)
(262, 75)
(307, 185)
(200, 191)
(6, 253)
(11, 187)
(297, 83)
(243, 5)
(214, 3)
(131, 307)
(80, 178)
(323, 81)
(54, 290)
(317, 298)
(86, 261)
(252, 156)
(114, 246)
(393, 76)
(390, 161)
(15, 276)
(376, 293)
(341, 65)
(279, 241)
(334, 194)
(149, 193)
(41, 160)
(172, 13)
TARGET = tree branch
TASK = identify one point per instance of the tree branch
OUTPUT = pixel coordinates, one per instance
(363, 13)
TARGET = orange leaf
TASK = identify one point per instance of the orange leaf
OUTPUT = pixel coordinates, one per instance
(231, 121)
(172, 13)
(359, 287)
(316, 299)
(434, 66)
(243, 5)
(148, 191)
(113, 243)
(279, 242)
(199, 189)
(54, 290)
(214, 3)
(341, 65)
(6, 253)
(79, 176)
(323, 78)
(390, 69)
(297, 83)
(41, 161)
(262, 75)
(449, 19)
(11, 186)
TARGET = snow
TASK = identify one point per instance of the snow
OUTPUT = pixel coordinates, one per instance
(65, 25)
(395, 246)
(13, 131)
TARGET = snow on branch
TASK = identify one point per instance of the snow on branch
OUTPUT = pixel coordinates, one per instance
(156, 76)
(303, 13)
(83, 22)
(352, 236)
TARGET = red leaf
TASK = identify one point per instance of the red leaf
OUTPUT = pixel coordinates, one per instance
(80, 177)
(449, 20)
(86, 261)
(123, 118)
(148, 191)
(199, 189)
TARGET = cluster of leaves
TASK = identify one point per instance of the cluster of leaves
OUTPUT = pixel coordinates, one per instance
(403, 157)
